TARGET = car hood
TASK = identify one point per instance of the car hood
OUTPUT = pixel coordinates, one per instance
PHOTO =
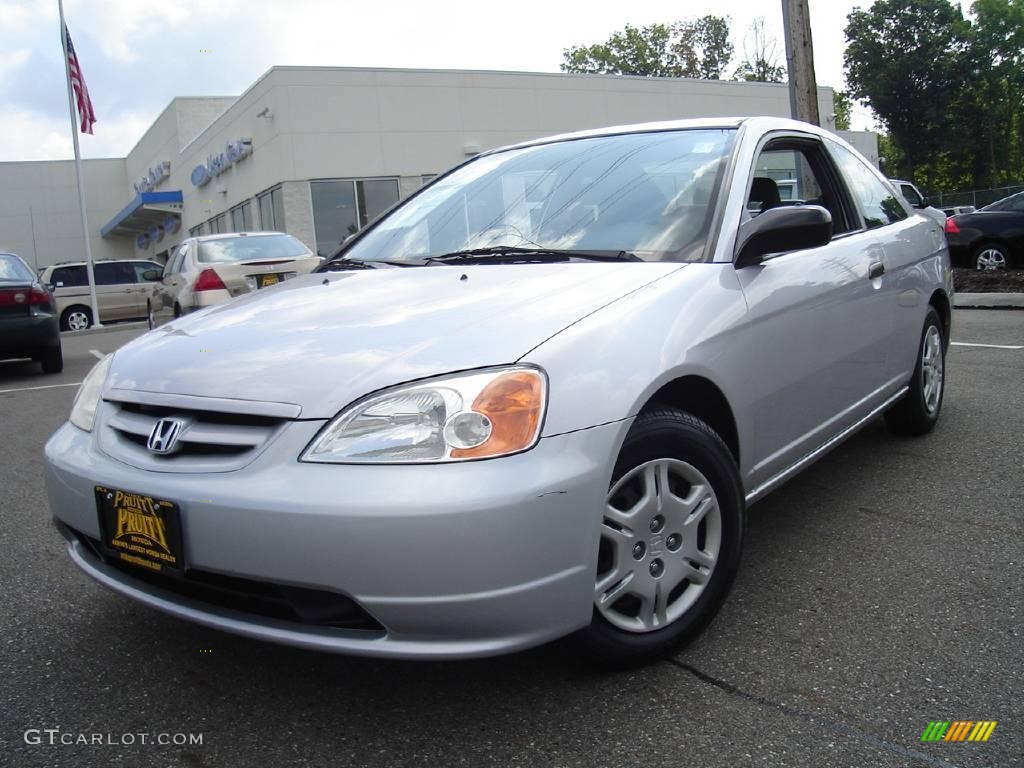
(323, 340)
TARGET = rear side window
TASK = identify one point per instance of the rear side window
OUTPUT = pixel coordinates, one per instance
(141, 267)
(69, 277)
(877, 201)
(114, 273)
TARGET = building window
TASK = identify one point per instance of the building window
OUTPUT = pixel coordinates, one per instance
(426, 178)
(241, 217)
(343, 207)
(217, 225)
(196, 231)
(271, 204)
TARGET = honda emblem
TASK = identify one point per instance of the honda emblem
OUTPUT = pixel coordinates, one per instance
(163, 438)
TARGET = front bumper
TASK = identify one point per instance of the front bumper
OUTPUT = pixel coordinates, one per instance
(455, 560)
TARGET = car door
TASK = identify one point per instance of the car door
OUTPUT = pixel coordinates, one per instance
(817, 322)
(909, 244)
(165, 292)
(115, 290)
(144, 288)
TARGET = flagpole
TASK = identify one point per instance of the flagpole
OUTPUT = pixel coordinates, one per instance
(78, 171)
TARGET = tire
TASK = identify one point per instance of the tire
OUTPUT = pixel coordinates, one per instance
(673, 445)
(76, 318)
(991, 256)
(917, 412)
(52, 360)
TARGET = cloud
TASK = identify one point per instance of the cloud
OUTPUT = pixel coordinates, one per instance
(13, 60)
(34, 136)
(15, 17)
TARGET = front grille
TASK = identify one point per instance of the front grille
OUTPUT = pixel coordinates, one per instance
(267, 599)
(210, 441)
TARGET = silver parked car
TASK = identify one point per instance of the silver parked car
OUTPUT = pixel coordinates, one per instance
(533, 400)
(212, 269)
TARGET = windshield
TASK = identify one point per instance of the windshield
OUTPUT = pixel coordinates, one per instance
(250, 248)
(13, 269)
(648, 194)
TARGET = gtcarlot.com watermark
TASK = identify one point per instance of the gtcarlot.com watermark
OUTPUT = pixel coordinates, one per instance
(55, 737)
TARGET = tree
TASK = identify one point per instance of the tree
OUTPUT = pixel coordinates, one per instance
(709, 36)
(843, 106)
(696, 48)
(890, 159)
(908, 59)
(998, 48)
(760, 56)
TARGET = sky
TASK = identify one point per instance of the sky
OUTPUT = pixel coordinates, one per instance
(138, 55)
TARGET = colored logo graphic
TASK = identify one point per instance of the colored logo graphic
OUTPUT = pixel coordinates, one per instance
(958, 730)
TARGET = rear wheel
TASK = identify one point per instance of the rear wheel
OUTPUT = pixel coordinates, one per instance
(670, 543)
(992, 256)
(76, 318)
(918, 410)
(52, 360)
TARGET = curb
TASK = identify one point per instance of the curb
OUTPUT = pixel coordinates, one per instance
(988, 300)
(112, 328)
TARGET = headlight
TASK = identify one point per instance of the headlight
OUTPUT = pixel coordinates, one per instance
(468, 416)
(83, 411)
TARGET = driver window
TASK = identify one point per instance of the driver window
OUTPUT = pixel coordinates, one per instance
(789, 174)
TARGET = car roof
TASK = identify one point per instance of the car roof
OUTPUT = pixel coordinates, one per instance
(94, 261)
(229, 235)
(763, 124)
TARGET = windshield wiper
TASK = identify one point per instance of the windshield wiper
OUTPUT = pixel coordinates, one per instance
(513, 254)
(340, 265)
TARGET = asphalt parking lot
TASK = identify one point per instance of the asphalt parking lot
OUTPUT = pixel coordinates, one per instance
(880, 590)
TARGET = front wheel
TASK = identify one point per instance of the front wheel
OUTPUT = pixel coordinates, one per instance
(671, 535)
(918, 410)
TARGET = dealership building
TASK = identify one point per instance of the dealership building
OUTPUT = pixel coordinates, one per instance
(319, 151)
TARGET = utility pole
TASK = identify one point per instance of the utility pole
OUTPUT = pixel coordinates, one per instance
(803, 87)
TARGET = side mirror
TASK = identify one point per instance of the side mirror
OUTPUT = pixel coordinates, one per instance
(925, 202)
(780, 230)
(152, 275)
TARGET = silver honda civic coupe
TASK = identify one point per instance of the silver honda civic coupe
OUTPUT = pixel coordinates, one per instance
(532, 400)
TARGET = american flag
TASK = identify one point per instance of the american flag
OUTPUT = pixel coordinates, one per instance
(85, 113)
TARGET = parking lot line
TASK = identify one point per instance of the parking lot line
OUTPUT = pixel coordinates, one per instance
(990, 346)
(97, 354)
(45, 386)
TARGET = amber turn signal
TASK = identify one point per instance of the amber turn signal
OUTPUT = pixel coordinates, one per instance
(514, 403)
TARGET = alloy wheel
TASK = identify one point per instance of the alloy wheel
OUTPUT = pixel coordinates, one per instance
(991, 258)
(78, 321)
(660, 539)
(932, 368)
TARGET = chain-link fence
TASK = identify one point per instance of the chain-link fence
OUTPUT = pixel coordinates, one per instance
(975, 197)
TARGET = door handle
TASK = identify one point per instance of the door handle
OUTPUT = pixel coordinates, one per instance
(875, 269)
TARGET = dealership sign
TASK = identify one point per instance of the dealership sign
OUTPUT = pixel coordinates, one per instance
(153, 176)
(215, 165)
